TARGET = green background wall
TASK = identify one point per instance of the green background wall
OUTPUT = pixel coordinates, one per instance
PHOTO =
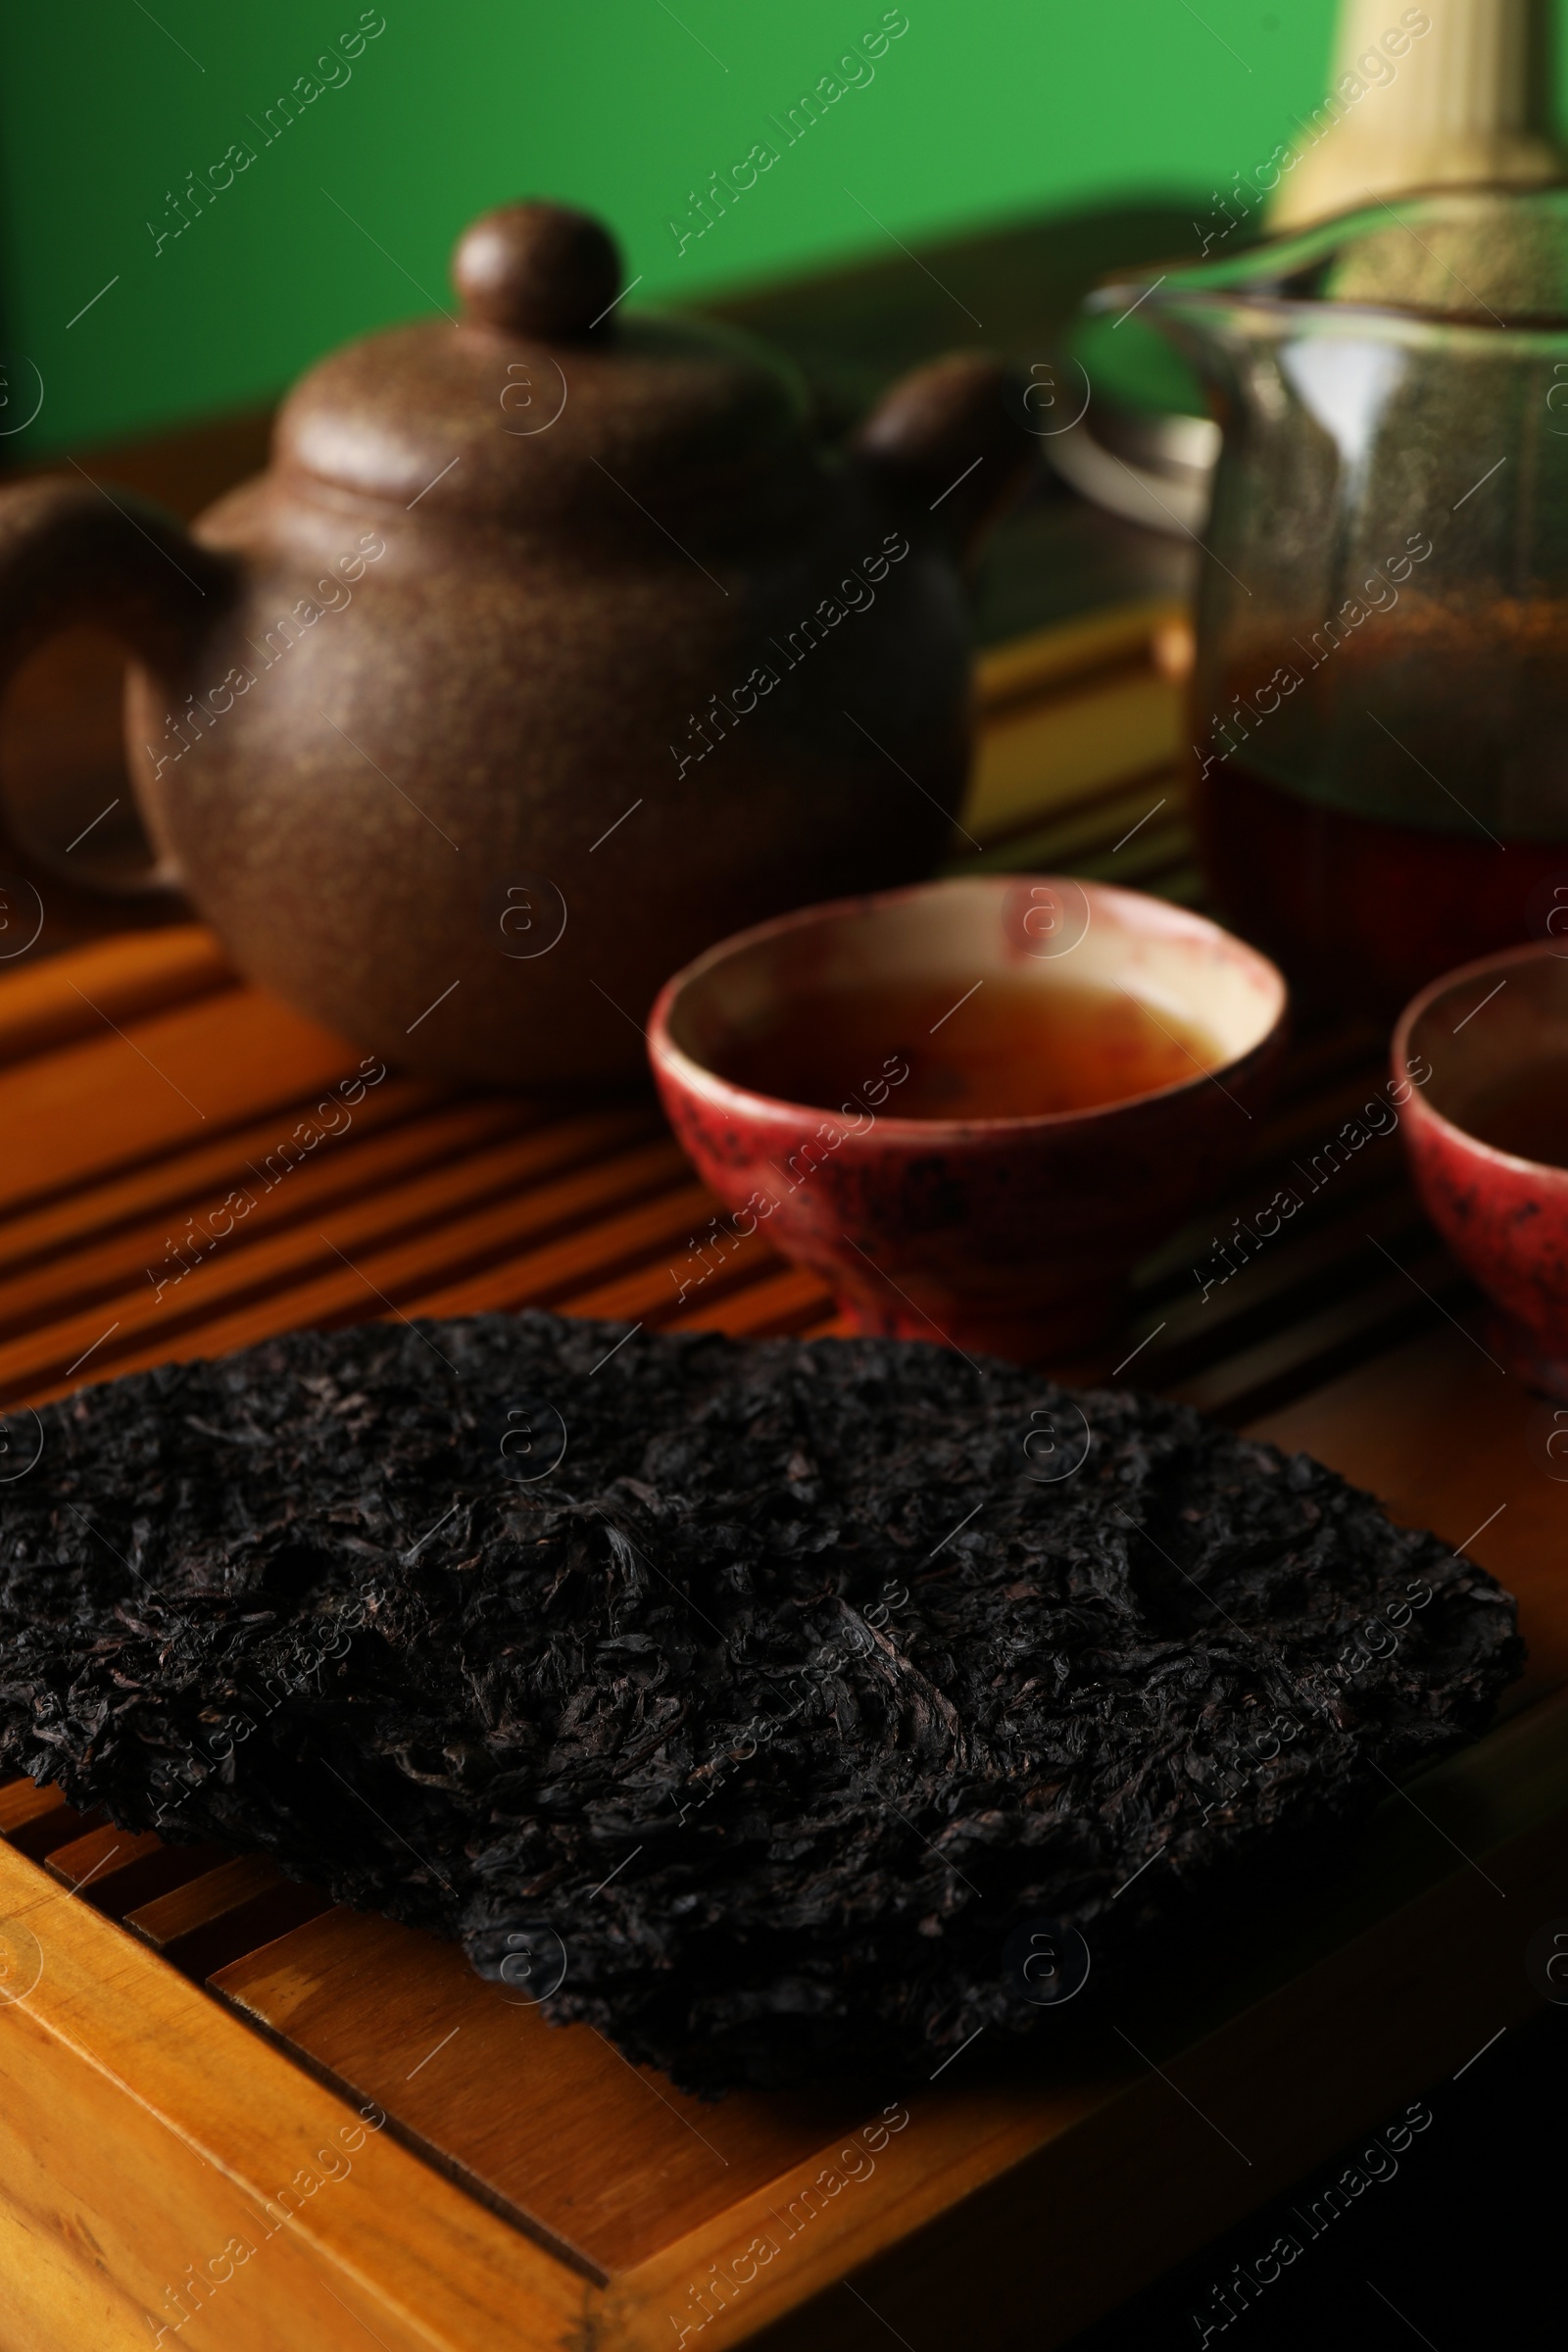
(982, 109)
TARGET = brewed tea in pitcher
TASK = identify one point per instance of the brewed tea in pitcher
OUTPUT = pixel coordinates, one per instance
(1378, 704)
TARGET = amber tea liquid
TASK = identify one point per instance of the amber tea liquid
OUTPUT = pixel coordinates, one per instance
(1012, 1047)
(1460, 724)
(1525, 1113)
(1361, 912)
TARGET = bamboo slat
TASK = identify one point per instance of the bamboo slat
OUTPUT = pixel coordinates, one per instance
(200, 2028)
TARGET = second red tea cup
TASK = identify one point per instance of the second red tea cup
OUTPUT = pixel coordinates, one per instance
(971, 1106)
(1488, 1141)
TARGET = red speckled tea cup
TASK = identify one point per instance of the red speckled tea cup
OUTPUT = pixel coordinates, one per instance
(1505, 1217)
(1010, 1235)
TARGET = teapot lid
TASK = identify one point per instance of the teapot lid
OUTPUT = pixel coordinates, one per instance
(544, 396)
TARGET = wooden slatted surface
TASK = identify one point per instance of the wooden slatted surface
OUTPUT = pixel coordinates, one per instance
(141, 1083)
(445, 1205)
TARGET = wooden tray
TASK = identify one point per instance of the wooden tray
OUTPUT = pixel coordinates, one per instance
(229, 2106)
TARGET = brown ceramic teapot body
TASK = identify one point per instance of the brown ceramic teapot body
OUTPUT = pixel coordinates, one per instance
(542, 657)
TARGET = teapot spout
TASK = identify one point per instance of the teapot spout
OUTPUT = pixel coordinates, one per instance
(948, 442)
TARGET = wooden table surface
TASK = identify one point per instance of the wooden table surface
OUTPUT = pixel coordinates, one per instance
(201, 2031)
(233, 2110)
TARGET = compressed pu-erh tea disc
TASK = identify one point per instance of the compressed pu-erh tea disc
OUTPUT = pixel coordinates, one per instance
(759, 1696)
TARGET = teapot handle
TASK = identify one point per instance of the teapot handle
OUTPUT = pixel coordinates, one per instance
(71, 554)
(948, 440)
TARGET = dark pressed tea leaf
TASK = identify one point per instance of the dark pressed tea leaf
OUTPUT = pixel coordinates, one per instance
(754, 1702)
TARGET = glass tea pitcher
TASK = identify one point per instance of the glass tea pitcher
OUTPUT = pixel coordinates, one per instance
(1380, 696)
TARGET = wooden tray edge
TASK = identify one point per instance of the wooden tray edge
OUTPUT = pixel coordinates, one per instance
(441, 2270)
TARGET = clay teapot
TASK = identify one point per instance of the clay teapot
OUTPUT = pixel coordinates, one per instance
(555, 644)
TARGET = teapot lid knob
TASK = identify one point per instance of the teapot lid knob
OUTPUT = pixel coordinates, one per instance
(539, 270)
